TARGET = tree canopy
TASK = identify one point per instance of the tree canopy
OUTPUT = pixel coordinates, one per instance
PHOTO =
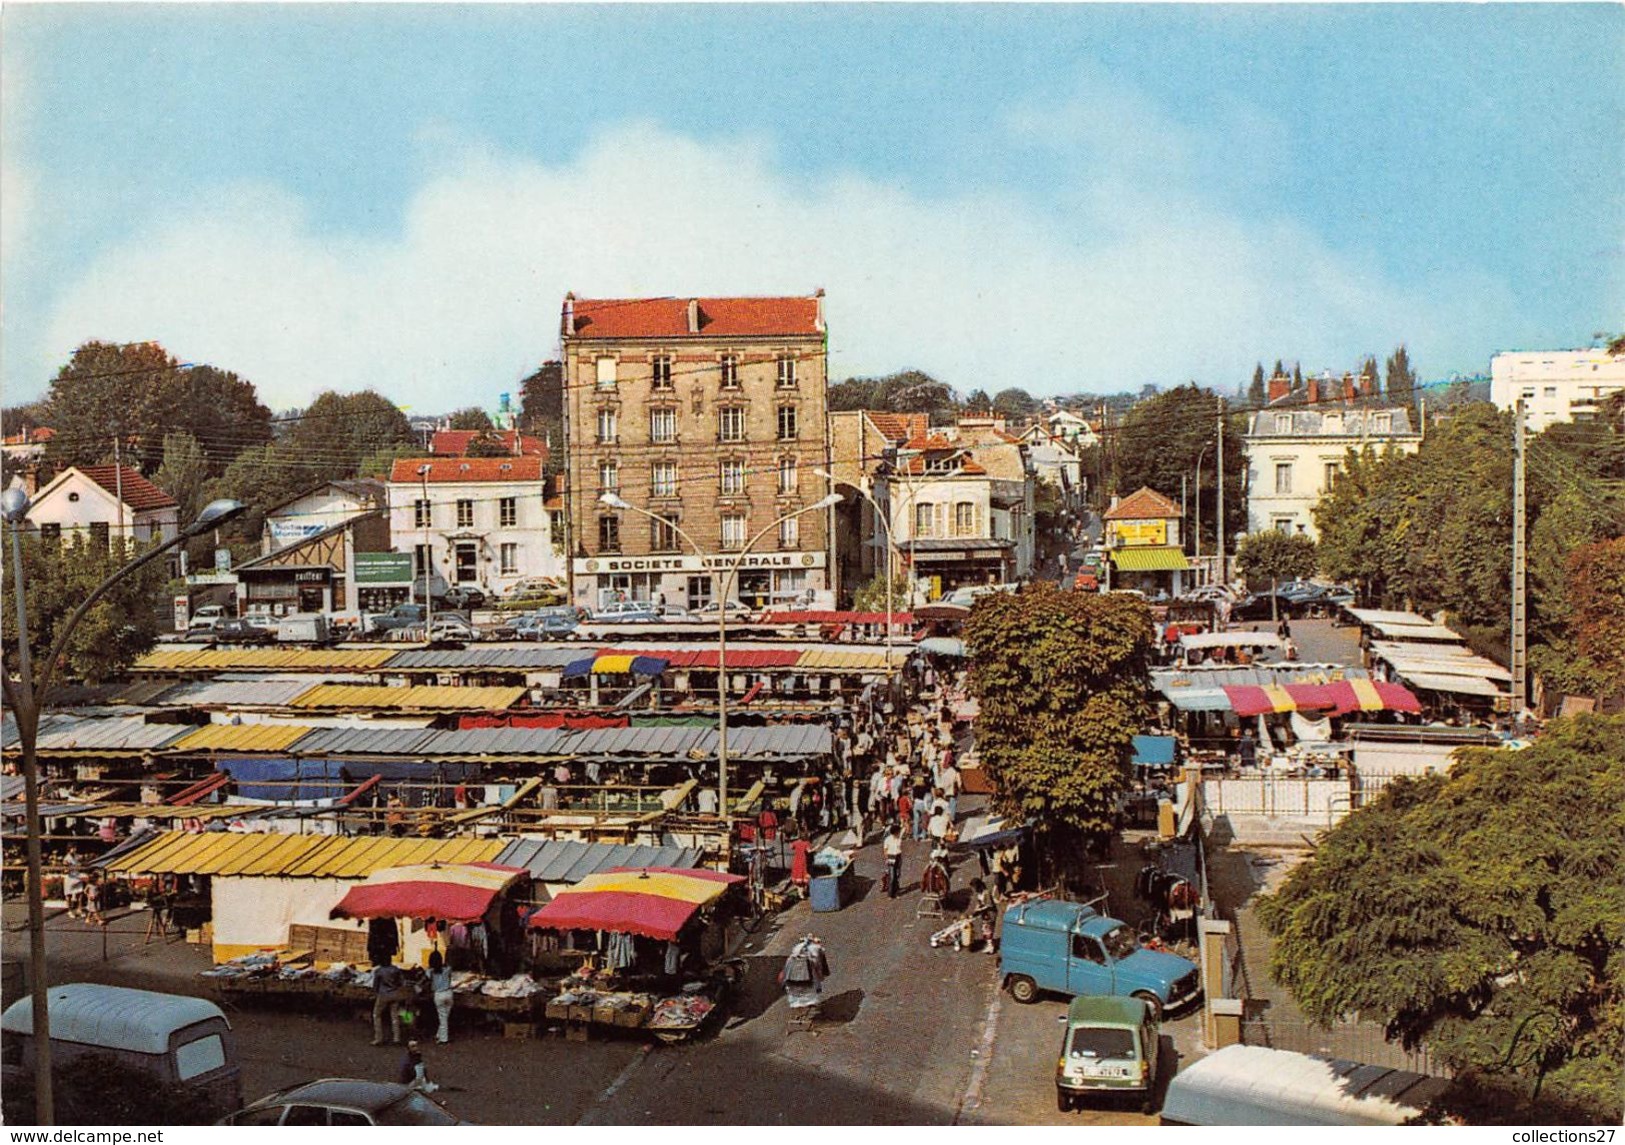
(1161, 440)
(1061, 678)
(336, 432)
(1460, 910)
(907, 391)
(1400, 389)
(470, 417)
(1272, 556)
(1014, 404)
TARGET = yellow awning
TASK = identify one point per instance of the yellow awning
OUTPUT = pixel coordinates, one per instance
(1149, 558)
(243, 737)
(221, 853)
(429, 697)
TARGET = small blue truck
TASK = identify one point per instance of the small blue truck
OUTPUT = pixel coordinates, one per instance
(1070, 948)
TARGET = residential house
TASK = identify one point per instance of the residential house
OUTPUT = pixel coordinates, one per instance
(476, 521)
(319, 509)
(1555, 385)
(1057, 462)
(1070, 427)
(1144, 544)
(860, 442)
(24, 451)
(709, 417)
(1294, 455)
(104, 502)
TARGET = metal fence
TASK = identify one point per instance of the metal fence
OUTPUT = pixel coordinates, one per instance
(1351, 1041)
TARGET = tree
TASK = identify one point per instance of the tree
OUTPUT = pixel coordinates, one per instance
(1275, 556)
(1297, 377)
(1061, 678)
(871, 597)
(541, 410)
(381, 462)
(1280, 369)
(978, 402)
(1482, 912)
(1371, 380)
(15, 419)
(1596, 588)
(338, 431)
(60, 575)
(908, 391)
(1401, 386)
(471, 417)
(1161, 440)
(1257, 393)
(183, 473)
(138, 393)
(1014, 404)
(262, 478)
(488, 445)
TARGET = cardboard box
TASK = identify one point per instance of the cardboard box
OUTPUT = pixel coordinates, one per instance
(518, 1030)
(577, 1033)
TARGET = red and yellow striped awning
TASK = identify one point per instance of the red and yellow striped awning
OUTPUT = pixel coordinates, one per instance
(456, 892)
(1337, 698)
(655, 902)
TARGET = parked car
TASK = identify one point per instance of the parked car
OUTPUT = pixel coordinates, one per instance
(626, 612)
(675, 612)
(520, 627)
(1071, 948)
(709, 610)
(543, 588)
(242, 632)
(309, 628)
(1110, 1046)
(344, 1101)
(452, 628)
(401, 616)
(206, 617)
(463, 596)
(557, 628)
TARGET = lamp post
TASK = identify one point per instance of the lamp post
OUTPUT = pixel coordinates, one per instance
(880, 516)
(27, 697)
(730, 572)
(428, 556)
(1197, 532)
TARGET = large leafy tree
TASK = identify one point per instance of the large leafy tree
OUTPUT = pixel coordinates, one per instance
(1596, 591)
(183, 473)
(59, 576)
(541, 410)
(470, 417)
(1482, 913)
(1273, 556)
(336, 432)
(908, 391)
(1162, 439)
(1061, 678)
(1014, 403)
(1401, 386)
(262, 478)
(136, 394)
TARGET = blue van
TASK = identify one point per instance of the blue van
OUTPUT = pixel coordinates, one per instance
(1072, 949)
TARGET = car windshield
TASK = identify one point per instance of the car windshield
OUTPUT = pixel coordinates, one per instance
(1120, 943)
(413, 1109)
(1093, 1042)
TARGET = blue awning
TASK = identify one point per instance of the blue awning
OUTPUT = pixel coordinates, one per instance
(581, 667)
(287, 780)
(1154, 751)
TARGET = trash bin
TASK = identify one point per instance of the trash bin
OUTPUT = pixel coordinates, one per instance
(826, 890)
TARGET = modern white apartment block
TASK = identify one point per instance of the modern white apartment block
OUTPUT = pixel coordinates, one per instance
(1555, 385)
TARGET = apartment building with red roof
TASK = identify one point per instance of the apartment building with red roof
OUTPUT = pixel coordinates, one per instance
(708, 418)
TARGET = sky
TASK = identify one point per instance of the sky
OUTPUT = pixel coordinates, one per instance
(1063, 198)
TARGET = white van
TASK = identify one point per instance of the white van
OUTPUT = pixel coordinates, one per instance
(1255, 1085)
(179, 1039)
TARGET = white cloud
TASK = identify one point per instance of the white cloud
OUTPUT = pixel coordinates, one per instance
(1142, 283)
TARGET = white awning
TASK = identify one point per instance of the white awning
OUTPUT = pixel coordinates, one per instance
(1231, 640)
(1460, 685)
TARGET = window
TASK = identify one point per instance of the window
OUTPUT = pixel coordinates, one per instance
(1283, 477)
(609, 476)
(733, 478)
(787, 423)
(421, 517)
(733, 530)
(731, 424)
(1283, 423)
(510, 557)
(790, 533)
(194, 1059)
(787, 475)
(1088, 949)
(420, 559)
(663, 425)
(555, 530)
(1281, 524)
(729, 364)
(924, 518)
(100, 532)
(465, 514)
(606, 427)
(606, 373)
(787, 372)
(663, 535)
(1529, 391)
(663, 479)
(609, 534)
(660, 371)
(508, 512)
(965, 519)
(1550, 391)
(306, 1115)
(1383, 422)
(1331, 475)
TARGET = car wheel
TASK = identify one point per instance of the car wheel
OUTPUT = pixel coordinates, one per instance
(1152, 1002)
(1063, 1101)
(1023, 989)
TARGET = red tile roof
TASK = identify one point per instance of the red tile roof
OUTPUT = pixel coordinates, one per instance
(37, 436)
(668, 317)
(139, 493)
(899, 427)
(968, 465)
(1144, 504)
(455, 442)
(442, 469)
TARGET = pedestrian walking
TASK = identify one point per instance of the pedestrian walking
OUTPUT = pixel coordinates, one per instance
(440, 985)
(389, 991)
(941, 821)
(892, 848)
(906, 811)
(922, 810)
(950, 784)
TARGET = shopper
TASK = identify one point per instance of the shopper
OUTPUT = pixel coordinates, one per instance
(950, 784)
(892, 848)
(941, 821)
(440, 984)
(389, 990)
(922, 810)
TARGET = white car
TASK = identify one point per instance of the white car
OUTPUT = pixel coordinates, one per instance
(626, 612)
(206, 617)
(708, 611)
(452, 628)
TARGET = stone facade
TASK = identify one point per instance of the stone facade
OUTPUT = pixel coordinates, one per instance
(1293, 456)
(711, 414)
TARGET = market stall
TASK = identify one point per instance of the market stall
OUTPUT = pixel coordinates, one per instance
(655, 940)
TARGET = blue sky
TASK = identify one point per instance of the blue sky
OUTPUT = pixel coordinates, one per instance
(1063, 198)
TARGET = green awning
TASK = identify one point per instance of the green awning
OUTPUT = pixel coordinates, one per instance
(1149, 558)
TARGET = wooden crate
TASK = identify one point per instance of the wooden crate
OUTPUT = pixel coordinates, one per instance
(558, 1011)
(604, 1014)
(330, 943)
(580, 1013)
(577, 1032)
(633, 1016)
(518, 1030)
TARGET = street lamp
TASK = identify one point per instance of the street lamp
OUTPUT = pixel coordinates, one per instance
(730, 572)
(880, 516)
(26, 697)
(428, 556)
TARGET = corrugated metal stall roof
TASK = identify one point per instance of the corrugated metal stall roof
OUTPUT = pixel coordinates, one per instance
(412, 698)
(671, 741)
(779, 741)
(48, 721)
(364, 741)
(496, 741)
(137, 693)
(131, 733)
(508, 659)
(234, 693)
(296, 856)
(551, 861)
(855, 660)
(264, 660)
(243, 737)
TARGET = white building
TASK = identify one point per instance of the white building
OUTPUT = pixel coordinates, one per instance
(1294, 455)
(1068, 425)
(1555, 385)
(318, 510)
(104, 502)
(477, 521)
(1056, 461)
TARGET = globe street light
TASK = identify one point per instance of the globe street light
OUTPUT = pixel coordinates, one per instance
(27, 697)
(730, 572)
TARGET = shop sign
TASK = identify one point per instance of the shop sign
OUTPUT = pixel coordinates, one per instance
(183, 612)
(285, 533)
(383, 568)
(311, 576)
(711, 562)
(1142, 532)
(211, 578)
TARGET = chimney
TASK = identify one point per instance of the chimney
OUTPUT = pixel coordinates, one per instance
(1348, 386)
(1113, 505)
(693, 315)
(1280, 387)
(1314, 391)
(1368, 386)
(567, 320)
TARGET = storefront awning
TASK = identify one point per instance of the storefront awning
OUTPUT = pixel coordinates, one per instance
(654, 902)
(456, 892)
(1149, 558)
(1337, 698)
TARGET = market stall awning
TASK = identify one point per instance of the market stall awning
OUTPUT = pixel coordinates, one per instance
(456, 892)
(1154, 751)
(1337, 698)
(1240, 639)
(942, 646)
(655, 902)
(1149, 558)
(990, 831)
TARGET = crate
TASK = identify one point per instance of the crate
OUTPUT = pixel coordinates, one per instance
(576, 1032)
(604, 1014)
(634, 1016)
(580, 1013)
(518, 1030)
(558, 1011)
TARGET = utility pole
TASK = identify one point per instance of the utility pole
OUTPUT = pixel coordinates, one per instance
(118, 483)
(1218, 512)
(1520, 568)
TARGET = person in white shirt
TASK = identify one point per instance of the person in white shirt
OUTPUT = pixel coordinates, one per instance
(949, 783)
(940, 822)
(706, 798)
(892, 847)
